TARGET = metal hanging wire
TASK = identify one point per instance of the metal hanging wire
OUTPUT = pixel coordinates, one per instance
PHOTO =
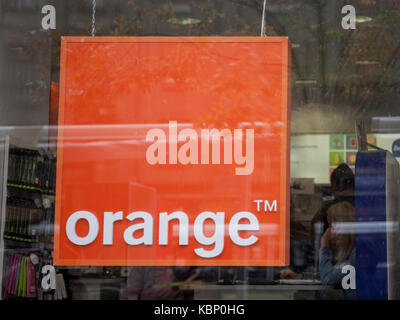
(263, 33)
(93, 18)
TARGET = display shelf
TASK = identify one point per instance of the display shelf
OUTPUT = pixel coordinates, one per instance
(31, 188)
(9, 241)
(27, 208)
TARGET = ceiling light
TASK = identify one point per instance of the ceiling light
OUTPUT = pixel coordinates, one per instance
(368, 62)
(306, 81)
(184, 21)
(363, 19)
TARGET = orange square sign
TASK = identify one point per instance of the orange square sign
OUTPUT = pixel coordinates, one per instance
(173, 151)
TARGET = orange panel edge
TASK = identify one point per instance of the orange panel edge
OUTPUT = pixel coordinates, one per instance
(284, 246)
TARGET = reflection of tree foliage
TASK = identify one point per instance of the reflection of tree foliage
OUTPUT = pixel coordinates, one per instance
(367, 72)
(365, 79)
(37, 49)
(141, 19)
(350, 83)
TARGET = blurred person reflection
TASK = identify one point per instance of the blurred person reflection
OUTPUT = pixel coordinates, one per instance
(338, 245)
(342, 184)
(337, 249)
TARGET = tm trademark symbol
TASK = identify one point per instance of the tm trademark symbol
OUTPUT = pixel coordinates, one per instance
(267, 205)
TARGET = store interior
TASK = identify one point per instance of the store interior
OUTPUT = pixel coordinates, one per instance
(338, 77)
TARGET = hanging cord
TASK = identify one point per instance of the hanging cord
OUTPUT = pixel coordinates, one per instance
(263, 34)
(93, 18)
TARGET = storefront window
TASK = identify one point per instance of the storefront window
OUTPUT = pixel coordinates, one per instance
(189, 150)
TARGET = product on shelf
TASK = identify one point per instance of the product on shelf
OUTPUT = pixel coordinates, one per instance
(22, 220)
(21, 277)
(32, 169)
